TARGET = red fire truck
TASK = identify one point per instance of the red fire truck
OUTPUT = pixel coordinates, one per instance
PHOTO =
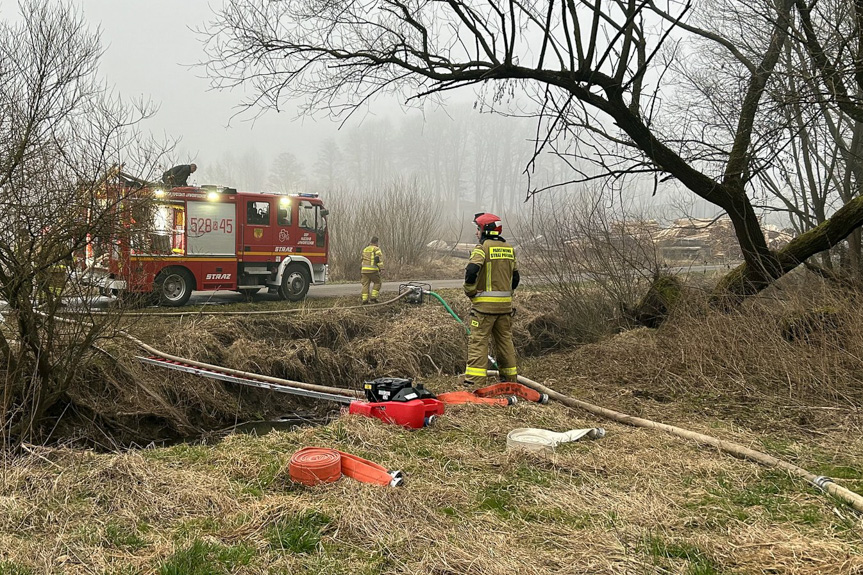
(215, 238)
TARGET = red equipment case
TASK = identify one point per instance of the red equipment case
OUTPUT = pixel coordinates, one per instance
(413, 414)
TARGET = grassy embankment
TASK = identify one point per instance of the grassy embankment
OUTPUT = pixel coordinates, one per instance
(636, 501)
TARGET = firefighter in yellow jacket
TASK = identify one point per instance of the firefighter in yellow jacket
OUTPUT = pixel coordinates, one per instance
(373, 263)
(490, 278)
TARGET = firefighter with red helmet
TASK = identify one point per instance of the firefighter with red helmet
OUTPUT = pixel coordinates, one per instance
(372, 264)
(490, 278)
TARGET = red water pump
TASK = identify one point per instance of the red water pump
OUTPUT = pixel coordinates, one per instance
(398, 400)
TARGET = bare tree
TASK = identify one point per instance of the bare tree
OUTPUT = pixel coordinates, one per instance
(594, 70)
(399, 214)
(329, 166)
(803, 144)
(834, 44)
(60, 135)
(286, 175)
(252, 171)
(589, 243)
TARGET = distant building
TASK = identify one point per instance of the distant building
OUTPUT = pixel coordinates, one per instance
(709, 239)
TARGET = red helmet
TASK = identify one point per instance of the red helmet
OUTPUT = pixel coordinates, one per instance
(489, 224)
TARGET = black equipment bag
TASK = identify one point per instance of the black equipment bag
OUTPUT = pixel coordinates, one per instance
(395, 389)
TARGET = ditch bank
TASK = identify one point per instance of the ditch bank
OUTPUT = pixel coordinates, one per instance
(121, 402)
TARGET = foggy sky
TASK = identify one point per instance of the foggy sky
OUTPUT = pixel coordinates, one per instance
(150, 47)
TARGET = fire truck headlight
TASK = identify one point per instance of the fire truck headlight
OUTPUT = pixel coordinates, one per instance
(159, 193)
(212, 196)
(284, 201)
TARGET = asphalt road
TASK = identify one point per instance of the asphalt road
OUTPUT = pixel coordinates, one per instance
(315, 291)
(349, 289)
(200, 298)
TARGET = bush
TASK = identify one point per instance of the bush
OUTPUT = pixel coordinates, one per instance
(399, 215)
(596, 257)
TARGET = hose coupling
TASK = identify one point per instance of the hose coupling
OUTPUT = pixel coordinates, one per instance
(821, 482)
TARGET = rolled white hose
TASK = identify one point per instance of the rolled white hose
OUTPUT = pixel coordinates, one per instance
(534, 439)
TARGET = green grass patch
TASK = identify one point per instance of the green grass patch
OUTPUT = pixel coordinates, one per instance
(531, 475)
(768, 494)
(781, 448)
(196, 527)
(182, 453)
(499, 499)
(840, 471)
(698, 562)
(300, 534)
(268, 472)
(11, 568)
(202, 558)
(249, 488)
(123, 536)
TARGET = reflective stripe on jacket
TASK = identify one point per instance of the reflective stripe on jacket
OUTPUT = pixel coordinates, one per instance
(373, 259)
(492, 291)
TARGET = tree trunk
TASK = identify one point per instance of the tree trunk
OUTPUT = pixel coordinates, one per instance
(749, 279)
(854, 263)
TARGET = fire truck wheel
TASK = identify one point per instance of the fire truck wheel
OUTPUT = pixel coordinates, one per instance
(295, 283)
(174, 286)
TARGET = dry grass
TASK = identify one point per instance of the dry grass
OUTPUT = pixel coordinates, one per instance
(636, 501)
(336, 347)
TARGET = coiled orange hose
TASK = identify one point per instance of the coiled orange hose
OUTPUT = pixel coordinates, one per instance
(316, 465)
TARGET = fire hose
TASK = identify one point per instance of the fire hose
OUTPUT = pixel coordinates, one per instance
(316, 465)
(245, 374)
(821, 482)
(534, 439)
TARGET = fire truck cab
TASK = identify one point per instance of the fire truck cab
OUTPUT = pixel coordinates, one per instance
(214, 238)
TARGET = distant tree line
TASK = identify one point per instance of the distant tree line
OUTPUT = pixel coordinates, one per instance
(459, 157)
